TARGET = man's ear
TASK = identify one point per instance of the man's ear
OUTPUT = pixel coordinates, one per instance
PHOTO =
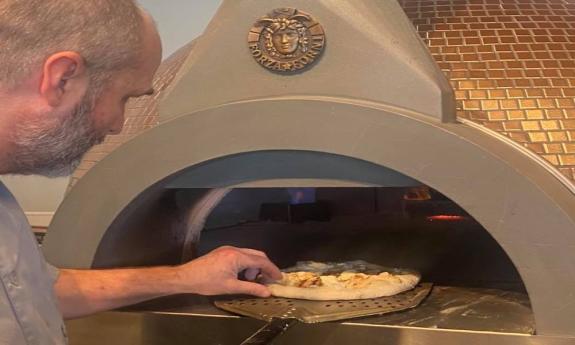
(64, 79)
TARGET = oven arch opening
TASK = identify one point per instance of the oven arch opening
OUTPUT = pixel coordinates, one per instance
(460, 257)
(184, 220)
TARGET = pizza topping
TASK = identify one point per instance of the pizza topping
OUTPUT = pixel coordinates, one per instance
(354, 280)
(389, 277)
(303, 279)
(342, 281)
(347, 279)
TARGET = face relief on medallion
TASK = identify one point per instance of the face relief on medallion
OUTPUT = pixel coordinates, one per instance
(286, 40)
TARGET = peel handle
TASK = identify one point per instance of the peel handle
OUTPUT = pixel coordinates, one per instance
(268, 333)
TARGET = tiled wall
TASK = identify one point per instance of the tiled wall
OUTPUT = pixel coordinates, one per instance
(511, 62)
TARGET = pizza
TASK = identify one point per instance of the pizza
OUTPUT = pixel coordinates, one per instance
(342, 281)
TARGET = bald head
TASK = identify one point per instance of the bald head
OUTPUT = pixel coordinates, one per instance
(106, 33)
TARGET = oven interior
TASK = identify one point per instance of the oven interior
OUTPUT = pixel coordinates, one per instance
(416, 228)
(476, 285)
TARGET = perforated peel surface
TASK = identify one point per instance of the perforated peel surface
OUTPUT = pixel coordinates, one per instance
(322, 311)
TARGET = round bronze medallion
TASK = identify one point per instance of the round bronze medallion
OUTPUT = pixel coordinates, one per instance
(286, 40)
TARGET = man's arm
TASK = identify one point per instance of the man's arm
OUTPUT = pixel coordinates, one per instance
(84, 292)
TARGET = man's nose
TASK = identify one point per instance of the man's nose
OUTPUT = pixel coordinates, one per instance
(285, 38)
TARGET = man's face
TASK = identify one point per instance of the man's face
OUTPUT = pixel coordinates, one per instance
(53, 144)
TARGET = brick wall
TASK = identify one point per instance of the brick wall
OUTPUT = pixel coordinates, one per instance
(512, 65)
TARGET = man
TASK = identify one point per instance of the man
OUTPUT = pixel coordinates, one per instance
(67, 69)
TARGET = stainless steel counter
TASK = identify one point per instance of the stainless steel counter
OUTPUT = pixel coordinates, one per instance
(449, 316)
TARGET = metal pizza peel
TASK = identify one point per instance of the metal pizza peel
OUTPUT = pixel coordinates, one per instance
(283, 313)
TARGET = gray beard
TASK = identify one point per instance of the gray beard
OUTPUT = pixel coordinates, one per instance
(54, 147)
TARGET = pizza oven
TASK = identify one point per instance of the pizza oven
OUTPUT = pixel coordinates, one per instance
(326, 131)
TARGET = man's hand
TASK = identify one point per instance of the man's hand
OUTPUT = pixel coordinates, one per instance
(84, 292)
(217, 273)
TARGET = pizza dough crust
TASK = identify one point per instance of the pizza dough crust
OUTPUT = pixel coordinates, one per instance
(342, 281)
